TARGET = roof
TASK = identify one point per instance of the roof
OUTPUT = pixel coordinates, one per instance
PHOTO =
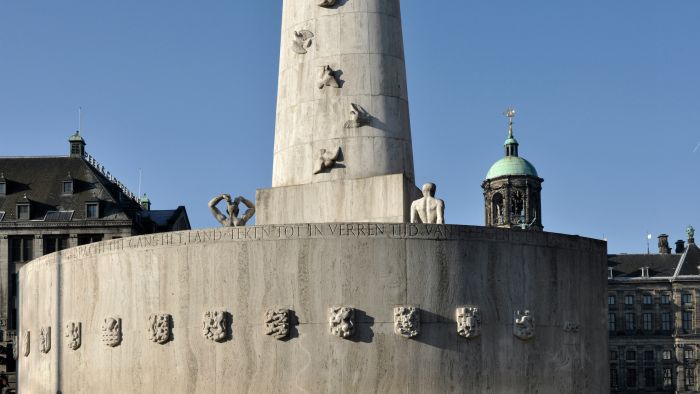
(41, 180)
(166, 220)
(511, 165)
(76, 138)
(660, 265)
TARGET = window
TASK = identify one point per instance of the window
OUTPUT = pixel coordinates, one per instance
(613, 355)
(629, 321)
(687, 320)
(665, 299)
(688, 353)
(92, 210)
(647, 299)
(84, 239)
(631, 355)
(649, 377)
(666, 321)
(687, 298)
(54, 243)
(666, 354)
(645, 272)
(648, 355)
(647, 322)
(20, 248)
(613, 378)
(611, 299)
(629, 299)
(68, 187)
(610, 273)
(631, 377)
(612, 326)
(3, 188)
(689, 378)
(668, 377)
(23, 211)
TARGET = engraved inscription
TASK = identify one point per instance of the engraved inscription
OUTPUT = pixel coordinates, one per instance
(406, 321)
(112, 331)
(468, 321)
(341, 321)
(73, 334)
(277, 323)
(159, 328)
(571, 327)
(45, 339)
(214, 325)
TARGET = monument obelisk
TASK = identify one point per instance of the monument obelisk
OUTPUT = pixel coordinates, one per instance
(343, 137)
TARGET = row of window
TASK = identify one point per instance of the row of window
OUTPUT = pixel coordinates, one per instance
(630, 321)
(648, 299)
(21, 248)
(650, 378)
(92, 211)
(650, 355)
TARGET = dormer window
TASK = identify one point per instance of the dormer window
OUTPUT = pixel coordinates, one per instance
(3, 188)
(23, 211)
(645, 272)
(610, 273)
(67, 187)
(92, 210)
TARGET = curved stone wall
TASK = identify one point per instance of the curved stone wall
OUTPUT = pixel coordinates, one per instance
(185, 312)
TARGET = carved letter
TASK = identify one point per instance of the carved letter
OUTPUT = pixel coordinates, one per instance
(277, 323)
(571, 327)
(73, 333)
(341, 321)
(468, 322)
(112, 331)
(214, 325)
(524, 325)
(406, 321)
(159, 328)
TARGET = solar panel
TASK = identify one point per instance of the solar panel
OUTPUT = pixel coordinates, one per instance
(58, 216)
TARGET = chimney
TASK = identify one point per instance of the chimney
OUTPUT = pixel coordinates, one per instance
(663, 244)
(680, 246)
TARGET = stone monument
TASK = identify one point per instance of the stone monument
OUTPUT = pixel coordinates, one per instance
(334, 291)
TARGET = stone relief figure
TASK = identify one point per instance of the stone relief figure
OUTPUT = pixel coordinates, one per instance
(326, 160)
(524, 325)
(406, 321)
(232, 208)
(302, 41)
(25, 343)
(358, 117)
(277, 323)
(73, 333)
(429, 210)
(328, 77)
(214, 325)
(159, 328)
(15, 349)
(112, 331)
(341, 321)
(571, 327)
(327, 3)
(45, 339)
(468, 322)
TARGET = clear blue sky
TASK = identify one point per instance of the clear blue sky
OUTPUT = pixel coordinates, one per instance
(608, 95)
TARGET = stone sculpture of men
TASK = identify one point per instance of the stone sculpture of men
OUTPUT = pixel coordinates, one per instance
(232, 220)
(429, 210)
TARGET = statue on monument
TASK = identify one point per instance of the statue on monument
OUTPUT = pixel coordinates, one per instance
(428, 210)
(232, 208)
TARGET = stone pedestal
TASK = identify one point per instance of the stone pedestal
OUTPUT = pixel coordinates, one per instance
(377, 199)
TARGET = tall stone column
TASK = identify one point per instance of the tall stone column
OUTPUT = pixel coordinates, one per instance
(343, 138)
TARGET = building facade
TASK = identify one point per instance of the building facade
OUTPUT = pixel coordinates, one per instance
(52, 203)
(653, 319)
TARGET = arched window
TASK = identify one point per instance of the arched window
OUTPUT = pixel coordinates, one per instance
(497, 209)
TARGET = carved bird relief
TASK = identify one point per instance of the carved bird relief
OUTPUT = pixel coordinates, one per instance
(326, 160)
(327, 3)
(302, 41)
(358, 117)
(327, 78)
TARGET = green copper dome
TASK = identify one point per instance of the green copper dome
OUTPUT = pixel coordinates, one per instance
(511, 165)
(76, 137)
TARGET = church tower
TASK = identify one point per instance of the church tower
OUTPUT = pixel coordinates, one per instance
(512, 189)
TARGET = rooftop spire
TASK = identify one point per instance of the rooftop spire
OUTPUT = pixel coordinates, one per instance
(511, 143)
